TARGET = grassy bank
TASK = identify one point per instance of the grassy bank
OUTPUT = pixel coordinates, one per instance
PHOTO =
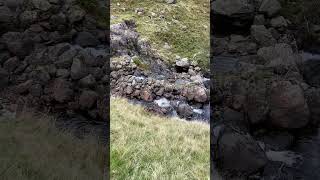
(184, 26)
(144, 146)
(33, 149)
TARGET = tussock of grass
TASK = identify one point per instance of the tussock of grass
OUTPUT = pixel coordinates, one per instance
(33, 149)
(184, 26)
(144, 146)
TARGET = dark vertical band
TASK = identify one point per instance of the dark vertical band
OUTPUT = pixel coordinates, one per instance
(211, 96)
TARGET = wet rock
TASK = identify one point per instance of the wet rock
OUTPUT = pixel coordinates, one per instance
(163, 102)
(239, 153)
(184, 110)
(288, 107)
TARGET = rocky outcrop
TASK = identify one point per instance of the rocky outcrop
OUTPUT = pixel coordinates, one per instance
(54, 55)
(263, 83)
(136, 73)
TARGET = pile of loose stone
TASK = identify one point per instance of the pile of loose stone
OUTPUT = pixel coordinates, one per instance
(136, 73)
(54, 57)
(265, 89)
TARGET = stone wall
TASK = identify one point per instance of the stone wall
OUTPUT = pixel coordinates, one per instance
(54, 56)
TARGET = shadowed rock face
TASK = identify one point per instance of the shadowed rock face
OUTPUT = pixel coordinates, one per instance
(232, 16)
(225, 25)
(54, 56)
(262, 86)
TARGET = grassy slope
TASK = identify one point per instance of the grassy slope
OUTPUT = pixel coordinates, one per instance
(185, 26)
(33, 149)
(144, 146)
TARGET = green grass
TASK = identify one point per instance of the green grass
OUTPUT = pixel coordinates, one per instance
(33, 149)
(145, 146)
(185, 26)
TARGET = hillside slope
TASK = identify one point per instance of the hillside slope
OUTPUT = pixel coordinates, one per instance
(145, 146)
(173, 29)
(32, 148)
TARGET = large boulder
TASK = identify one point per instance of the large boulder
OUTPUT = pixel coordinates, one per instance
(239, 153)
(288, 107)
